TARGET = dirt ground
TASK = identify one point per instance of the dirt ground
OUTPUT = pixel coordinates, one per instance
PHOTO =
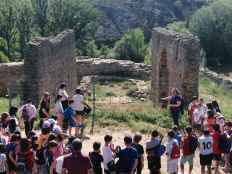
(118, 136)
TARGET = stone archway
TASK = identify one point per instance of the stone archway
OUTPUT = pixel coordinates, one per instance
(163, 76)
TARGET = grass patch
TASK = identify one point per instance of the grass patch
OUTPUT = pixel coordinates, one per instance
(210, 90)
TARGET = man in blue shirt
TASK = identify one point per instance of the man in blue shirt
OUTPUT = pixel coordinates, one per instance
(128, 158)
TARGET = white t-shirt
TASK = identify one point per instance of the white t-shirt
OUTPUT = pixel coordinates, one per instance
(169, 146)
(63, 93)
(206, 145)
(107, 156)
(59, 164)
(198, 116)
(77, 102)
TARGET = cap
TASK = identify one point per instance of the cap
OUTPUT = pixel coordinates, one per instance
(57, 130)
(46, 124)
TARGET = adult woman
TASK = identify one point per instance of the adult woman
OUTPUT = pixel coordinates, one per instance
(44, 107)
(175, 105)
(59, 110)
(79, 106)
(64, 95)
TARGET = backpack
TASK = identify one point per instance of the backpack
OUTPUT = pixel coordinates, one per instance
(25, 161)
(40, 156)
(175, 154)
(25, 114)
(224, 143)
(159, 150)
(193, 143)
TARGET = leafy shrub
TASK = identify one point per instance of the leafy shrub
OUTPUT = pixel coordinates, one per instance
(213, 25)
(131, 46)
(3, 58)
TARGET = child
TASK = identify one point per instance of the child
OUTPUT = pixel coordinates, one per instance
(177, 133)
(153, 156)
(96, 158)
(173, 153)
(206, 151)
(189, 145)
(216, 147)
(3, 160)
(4, 121)
(25, 157)
(107, 152)
(210, 120)
(139, 148)
(11, 152)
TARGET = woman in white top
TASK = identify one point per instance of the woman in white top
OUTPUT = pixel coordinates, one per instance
(64, 95)
(59, 110)
(79, 105)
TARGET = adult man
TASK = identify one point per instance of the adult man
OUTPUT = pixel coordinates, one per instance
(27, 115)
(76, 163)
(128, 158)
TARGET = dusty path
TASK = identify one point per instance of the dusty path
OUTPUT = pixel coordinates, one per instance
(118, 136)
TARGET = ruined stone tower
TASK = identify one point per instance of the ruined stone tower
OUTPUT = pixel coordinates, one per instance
(49, 62)
(175, 63)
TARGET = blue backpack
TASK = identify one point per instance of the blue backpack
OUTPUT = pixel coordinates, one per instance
(159, 150)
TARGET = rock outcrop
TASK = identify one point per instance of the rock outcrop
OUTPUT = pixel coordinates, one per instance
(118, 16)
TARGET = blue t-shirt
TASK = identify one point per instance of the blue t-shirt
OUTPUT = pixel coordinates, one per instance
(127, 158)
(174, 100)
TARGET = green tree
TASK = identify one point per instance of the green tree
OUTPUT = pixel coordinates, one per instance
(24, 24)
(131, 46)
(213, 26)
(8, 25)
(41, 14)
(78, 15)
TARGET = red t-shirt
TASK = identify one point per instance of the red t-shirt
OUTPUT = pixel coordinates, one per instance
(186, 143)
(210, 123)
(77, 164)
(216, 149)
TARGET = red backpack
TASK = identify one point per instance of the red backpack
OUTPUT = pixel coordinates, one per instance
(175, 151)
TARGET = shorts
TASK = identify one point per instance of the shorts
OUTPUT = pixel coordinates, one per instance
(217, 157)
(154, 163)
(172, 166)
(187, 158)
(206, 160)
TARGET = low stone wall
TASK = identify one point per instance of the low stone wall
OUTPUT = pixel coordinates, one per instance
(10, 74)
(123, 68)
(219, 79)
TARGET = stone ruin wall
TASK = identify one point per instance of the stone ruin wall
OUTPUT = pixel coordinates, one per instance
(49, 62)
(108, 67)
(175, 63)
(10, 74)
(13, 72)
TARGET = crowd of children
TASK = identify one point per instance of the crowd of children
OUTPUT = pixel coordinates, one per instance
(55, 150)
